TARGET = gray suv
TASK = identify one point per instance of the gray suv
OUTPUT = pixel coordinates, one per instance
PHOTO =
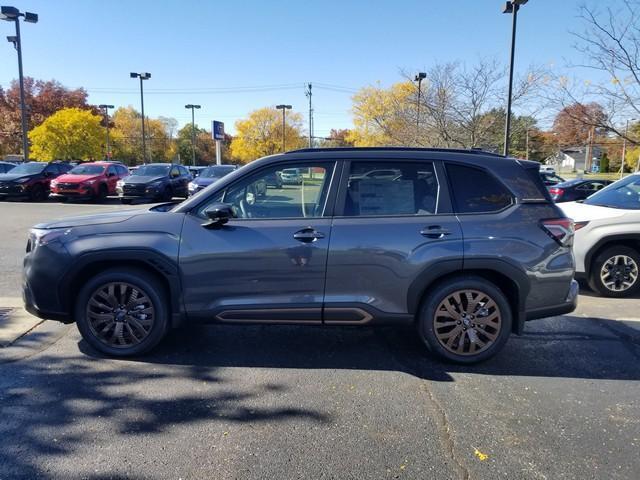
(462, 244)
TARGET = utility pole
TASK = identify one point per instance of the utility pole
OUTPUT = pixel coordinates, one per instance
(193, 132)
(106, 108)
(309, 94)
(284, 109)
(624, 147)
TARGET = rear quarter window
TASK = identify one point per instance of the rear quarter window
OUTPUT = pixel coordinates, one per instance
(477, 191)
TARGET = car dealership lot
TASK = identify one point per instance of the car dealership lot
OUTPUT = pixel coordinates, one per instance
(304, 402)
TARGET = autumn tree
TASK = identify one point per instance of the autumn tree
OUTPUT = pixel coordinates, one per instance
(126, 137)
(574, 123)
(42, 99)
(261, 134)
(458, 107)
(205, 146)
(68, 134)
(338, 138)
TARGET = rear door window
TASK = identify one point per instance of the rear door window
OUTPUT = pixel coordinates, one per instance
(393, 188)
(477, 191)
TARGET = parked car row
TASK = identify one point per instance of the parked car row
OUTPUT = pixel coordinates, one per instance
(94, 181)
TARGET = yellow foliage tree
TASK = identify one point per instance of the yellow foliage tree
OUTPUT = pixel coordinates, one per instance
(126, 138)
(383, 116)
(261, 134)
(68, 134)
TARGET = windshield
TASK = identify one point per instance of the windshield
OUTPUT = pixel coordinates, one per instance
(29, 168)
(151, 170)
(87, 170)
(624, 194)
(215, 172)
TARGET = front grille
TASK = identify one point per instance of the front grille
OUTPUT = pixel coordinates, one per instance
(133, 189)
(68, 186)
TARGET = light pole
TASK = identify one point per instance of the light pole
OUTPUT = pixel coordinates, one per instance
(106, 108)
(142, 76)
(12, 14)
(418, 78)
(284, 109)
(193, 132)
(511, 7)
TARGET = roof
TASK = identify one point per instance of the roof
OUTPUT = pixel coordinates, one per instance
(396, 149)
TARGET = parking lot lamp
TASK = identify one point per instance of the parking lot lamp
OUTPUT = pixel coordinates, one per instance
(193, 132)
(142, 76)
(511, 7)
(418, 78)
(12, 14)
(105, 108)
(284, 108)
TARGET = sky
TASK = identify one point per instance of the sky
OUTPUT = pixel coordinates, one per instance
(235, 56)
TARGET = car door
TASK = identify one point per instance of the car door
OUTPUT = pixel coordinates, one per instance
(389, 234)
(185, 178)
(269, 263)
(112, 179)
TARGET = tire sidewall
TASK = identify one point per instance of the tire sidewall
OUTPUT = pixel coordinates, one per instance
(594, 279)
(144, 281)
(435, 297)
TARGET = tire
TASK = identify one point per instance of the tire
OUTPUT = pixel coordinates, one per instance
(167, 194)
(97, 312)
(37, 193)
(435, 321)
(102, 193)
(625, 271)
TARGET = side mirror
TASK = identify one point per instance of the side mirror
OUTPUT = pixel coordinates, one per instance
(218, 214)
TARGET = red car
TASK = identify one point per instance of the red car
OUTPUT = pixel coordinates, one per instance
(89, 181)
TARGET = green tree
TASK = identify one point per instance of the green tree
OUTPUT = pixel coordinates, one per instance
(205, 146)
(68, 134)
(261, 134)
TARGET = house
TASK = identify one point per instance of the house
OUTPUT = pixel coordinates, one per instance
(572, 159)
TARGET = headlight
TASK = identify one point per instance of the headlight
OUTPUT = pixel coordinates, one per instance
(43, 236)
(120, 183)
(54, 183)
(90, 182)
(192, 186)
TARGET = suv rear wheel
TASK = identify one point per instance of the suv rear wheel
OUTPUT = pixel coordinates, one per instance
(465, 320)
(614, 272)
(120, 312)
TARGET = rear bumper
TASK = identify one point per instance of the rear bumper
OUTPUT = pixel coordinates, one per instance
(568, 306)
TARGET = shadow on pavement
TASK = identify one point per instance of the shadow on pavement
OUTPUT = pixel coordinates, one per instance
(569, 347)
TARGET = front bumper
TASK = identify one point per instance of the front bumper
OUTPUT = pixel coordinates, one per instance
(138, 193)
(14, 190)
(43, 268)
(568, 306)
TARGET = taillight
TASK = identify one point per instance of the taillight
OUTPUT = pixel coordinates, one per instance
(560, 229)
(578, 225)
(556, 192)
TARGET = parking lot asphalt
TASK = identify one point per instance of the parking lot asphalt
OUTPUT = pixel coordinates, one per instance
(560, 401)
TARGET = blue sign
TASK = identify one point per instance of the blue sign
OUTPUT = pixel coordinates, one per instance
(218, 130)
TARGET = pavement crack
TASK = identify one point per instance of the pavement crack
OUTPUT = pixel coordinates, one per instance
(445, 432)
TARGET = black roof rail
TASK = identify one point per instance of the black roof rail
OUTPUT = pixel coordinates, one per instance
(476, 151)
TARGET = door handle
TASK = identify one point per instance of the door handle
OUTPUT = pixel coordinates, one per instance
(434, 231)
(308, 235)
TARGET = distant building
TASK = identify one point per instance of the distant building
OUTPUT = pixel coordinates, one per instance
(572, 159)
(13, 158)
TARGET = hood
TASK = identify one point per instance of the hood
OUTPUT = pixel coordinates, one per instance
(66, 178)
(98, 219)
(205, 181)
(581, 212)
(8, 177)
(138, 179)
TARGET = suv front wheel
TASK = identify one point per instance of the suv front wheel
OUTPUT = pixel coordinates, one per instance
(465, 320)
(120, 312)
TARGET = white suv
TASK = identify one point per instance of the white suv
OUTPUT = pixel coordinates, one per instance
(607, 238)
